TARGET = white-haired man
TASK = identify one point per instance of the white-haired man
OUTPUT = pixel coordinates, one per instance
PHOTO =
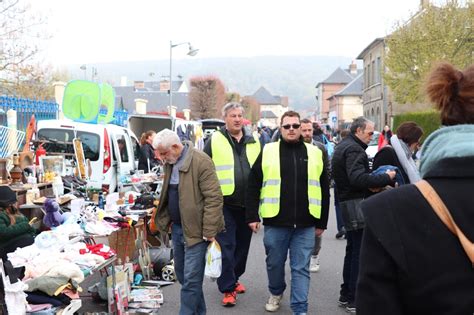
(191, 204)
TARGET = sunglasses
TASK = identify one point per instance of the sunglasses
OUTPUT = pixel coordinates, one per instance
(294, 126)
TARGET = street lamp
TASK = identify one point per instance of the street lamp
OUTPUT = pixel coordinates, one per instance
(192, 52)
(84, 68)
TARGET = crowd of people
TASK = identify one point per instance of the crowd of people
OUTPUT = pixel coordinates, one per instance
(400, 258)
(405, 254)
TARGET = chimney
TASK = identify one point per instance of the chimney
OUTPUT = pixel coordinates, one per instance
(353, 68)
(140, 106)
(123, 81)
(172, 110)
(187, 114)
(59, 88)
(138, 85)
(164, 85)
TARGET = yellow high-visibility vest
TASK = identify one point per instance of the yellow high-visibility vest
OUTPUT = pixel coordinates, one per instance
(271, 186)
(223, 157)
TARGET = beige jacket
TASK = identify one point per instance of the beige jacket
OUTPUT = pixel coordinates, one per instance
(200, 198)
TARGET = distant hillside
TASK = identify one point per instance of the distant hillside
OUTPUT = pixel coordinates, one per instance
(292, 76)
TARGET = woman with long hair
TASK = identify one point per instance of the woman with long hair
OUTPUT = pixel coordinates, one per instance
(411, 262)
(15, 231)
(147, 160)
(399, 151)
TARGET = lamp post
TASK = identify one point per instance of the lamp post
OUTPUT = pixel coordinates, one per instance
(192, 52)
(84, 68)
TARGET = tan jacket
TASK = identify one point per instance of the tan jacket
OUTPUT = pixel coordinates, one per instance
(200, 198)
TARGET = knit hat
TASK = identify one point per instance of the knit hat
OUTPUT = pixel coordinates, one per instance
(7, 196)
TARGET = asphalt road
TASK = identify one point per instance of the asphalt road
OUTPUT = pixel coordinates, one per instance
(323, 295)
(324, 289)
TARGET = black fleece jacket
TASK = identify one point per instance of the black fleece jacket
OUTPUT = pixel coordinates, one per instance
(294, 206)
(350, 170)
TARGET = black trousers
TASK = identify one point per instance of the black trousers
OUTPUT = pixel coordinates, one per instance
(235, 244)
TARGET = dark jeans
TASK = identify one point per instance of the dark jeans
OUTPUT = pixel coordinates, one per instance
(339, 222)
(317, 245)
(235, 244)
(350, 271)
(189, 263)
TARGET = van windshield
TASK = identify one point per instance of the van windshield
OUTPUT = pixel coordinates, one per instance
(60, 141)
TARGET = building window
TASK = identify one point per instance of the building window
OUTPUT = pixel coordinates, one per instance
(366, 80)
(369, 79)
(373, 74)
(379, 70)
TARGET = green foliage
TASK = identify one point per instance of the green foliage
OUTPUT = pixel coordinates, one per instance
(429, 121)
(438, 33)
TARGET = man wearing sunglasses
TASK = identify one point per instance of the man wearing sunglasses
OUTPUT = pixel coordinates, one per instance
(350, 170)
(289, 187)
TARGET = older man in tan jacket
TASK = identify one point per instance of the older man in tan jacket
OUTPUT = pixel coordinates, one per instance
(191, 203)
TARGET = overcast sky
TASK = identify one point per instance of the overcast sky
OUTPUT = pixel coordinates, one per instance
(90, 31)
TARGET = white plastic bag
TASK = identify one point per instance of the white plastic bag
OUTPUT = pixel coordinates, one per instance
(213, 261)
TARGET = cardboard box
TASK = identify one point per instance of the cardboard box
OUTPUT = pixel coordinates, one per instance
(123, 241)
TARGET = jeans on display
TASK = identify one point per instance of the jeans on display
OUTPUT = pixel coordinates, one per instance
(300, 242)
(189, 263)
(235, 244)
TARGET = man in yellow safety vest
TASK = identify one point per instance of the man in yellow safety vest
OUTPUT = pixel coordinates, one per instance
(289, 187)
(233, 150)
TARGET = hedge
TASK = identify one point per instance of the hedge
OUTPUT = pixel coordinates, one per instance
(428, 120)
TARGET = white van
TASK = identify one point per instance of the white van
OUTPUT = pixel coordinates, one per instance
(142, 123)
(111, 149)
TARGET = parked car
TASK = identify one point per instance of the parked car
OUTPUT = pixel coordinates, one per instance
(211, 125)
(373, 147)
(111, 149)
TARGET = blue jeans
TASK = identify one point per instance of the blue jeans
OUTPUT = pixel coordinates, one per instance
(300, 243)
(235, 244)
(189, 263)
(350, 271)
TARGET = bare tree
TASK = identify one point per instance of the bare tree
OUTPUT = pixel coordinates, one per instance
(36, 81)
(207, 97)
(252, 109)
(232, 97)
(20, 33)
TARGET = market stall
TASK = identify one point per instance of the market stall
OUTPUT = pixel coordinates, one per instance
(79, 226)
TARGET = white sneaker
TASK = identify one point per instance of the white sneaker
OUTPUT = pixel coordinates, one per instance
(273, 303)
(314, 264)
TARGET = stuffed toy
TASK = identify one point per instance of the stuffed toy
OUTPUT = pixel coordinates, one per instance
(53, 217)
(87, 214)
